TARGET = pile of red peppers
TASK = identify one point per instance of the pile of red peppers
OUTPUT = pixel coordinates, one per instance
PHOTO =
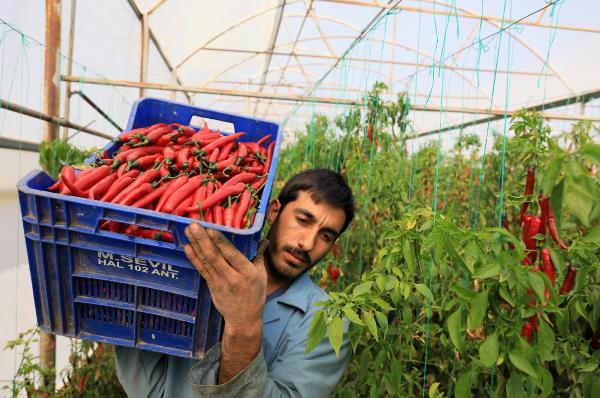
(174, 169)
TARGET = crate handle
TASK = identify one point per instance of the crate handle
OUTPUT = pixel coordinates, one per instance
(112, 225)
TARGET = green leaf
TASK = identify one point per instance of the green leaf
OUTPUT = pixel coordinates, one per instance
(454, 328)
(382, 304)
(537, 284)
(463, 385)
(522, 363)
(489, 351)
(352, 315)
(382, 321)
(489, 270)
(424, 290)
(506, 295)
(462, 292)
(479, 306)
(579, 193)
(591, 152)
(363, 288)
(547, 382)
(370, 322)
(552, 174)
(514, 386)
(317, 331)
(545, 342)
(592, 235)
(409, 256)
(456, 258)
(336, 334)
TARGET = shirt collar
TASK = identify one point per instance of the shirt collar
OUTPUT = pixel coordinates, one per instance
(298, 294)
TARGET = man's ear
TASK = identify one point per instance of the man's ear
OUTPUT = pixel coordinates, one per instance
(273, 210)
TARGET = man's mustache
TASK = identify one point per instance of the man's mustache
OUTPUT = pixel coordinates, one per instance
(296, 251)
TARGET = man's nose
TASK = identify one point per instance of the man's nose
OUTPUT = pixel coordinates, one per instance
(307, 240)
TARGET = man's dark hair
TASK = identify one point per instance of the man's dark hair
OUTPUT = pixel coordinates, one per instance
(324, 186)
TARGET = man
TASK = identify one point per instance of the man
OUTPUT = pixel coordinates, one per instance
(267, 304)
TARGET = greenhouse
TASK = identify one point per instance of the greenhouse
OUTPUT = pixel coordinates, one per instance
(307, 198)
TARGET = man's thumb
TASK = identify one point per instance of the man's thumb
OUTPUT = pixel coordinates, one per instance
(260, 252)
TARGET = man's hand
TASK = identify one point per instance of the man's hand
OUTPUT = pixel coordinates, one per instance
(237, 285)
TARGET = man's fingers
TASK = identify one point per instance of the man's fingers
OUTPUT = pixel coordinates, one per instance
(193, 257)
(234, 257)
(207, 252)
(260, 252)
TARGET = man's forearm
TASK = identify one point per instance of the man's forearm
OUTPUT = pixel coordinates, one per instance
(239, 348)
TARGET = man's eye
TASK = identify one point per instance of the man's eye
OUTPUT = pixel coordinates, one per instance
(327, 238)
(302, 221)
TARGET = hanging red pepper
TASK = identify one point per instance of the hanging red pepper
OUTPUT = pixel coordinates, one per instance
(529, 185)
(334, 273)
(553, 231)
(527, 332)
(569, 281)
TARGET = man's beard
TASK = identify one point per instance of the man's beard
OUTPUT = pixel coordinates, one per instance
(284, 272)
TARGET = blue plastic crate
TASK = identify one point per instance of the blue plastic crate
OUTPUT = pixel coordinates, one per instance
(109, 287)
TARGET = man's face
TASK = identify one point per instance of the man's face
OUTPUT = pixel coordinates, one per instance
(301, 234)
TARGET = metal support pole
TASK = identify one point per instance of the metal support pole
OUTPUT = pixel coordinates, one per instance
(144, 53)
(67, 100)
(51, 107)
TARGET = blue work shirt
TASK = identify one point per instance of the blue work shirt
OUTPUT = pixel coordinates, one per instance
(281, 369)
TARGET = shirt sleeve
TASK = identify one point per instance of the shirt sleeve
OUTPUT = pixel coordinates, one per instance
(250, 382)
(293, 374)
(141, 373)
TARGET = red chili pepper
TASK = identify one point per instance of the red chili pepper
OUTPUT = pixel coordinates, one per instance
(182, 193)
(220, 195)
(244, 204)
(242, 152)
(66, 173)
(135, 153)
(544, 206)
(263, 139)
(167, 237)
(531, 243)
(102, 186)
(222, 141)
(224, 164)
(164, 170)
(182, 158)
(121, 170)
(116, 188)
(144, 162)
(217, 213)
(177, 183)
(258, 184)
(226, 151)
(146, 177)
(529, 185)
(170, 154)
(527, 332)
(267, 166)
(335, 251)
(202, 138)
(92, 177)
(547, 265)
(55, 186)
(228, 216)
(242, 177)
(534, 323)
(180, 209)
(553, 231)
(136, 194)
(75, 190)
(569, 281)
(131, 133)
(155, 133)
(334, 273)
(253, 148)
(214, 155)
(253, 169)
(155, 195)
